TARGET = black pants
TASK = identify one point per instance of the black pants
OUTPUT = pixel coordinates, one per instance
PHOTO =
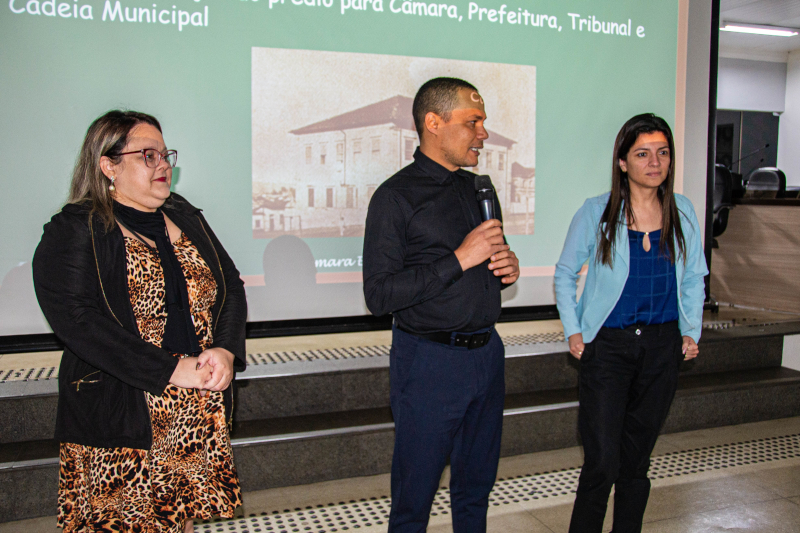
(627, 382)
(447, 402)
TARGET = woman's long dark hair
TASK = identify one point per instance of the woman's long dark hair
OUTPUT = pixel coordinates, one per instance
(621, 192)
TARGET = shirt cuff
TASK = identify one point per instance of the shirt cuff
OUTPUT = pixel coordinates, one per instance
(448, 269)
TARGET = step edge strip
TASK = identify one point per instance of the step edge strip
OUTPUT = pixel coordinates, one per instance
(286, 437)
(539, 408)
(731, 387)
(32, 463)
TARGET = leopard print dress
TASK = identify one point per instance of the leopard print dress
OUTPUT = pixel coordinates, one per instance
(188, 472)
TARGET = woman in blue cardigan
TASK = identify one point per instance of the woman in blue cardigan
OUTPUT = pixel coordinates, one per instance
(639, 316)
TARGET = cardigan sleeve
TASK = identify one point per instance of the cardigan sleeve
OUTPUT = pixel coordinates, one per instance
(578, 247)
(70, 293)
(693, 290)
(229, 330)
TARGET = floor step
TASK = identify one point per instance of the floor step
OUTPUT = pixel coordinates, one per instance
(307, 449)
(295, 426)
(27, 409)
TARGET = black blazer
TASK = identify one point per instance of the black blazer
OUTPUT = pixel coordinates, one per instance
(79, 272)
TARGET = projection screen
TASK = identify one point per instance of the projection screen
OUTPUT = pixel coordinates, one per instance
(287, 114)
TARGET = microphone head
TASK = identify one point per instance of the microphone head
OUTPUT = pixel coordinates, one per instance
(483, 182)
(483, 188)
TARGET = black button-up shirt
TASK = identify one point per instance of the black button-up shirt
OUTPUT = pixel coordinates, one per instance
(416, 220)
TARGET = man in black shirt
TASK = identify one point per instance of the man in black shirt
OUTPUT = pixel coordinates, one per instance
(432, 263)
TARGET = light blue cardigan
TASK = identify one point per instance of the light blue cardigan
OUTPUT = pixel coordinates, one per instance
(604, 285)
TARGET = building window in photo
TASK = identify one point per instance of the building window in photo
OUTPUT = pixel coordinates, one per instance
(329, 197)
(408, 152)
(311, 197)
(501, 161)
(308, 154)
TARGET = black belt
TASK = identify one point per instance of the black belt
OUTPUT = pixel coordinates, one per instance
(461, 340)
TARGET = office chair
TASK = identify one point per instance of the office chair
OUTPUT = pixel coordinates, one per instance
(723, 185)
(766, 182)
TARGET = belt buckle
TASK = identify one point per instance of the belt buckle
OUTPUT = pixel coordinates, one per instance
(478, 340)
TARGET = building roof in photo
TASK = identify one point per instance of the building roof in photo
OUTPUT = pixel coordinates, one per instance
(395, 110)
(519, 171)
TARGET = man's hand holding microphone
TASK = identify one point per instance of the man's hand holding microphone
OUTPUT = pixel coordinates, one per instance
(486, 241)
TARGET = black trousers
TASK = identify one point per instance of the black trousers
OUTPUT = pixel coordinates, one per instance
(628, 379)
(447, 402)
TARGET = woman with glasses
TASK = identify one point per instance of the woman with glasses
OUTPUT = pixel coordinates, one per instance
(151, 311)
(640, 315)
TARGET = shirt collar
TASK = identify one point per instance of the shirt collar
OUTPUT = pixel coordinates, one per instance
(434, 169)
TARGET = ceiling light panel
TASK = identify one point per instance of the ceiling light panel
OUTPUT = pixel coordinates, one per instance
(757, 29)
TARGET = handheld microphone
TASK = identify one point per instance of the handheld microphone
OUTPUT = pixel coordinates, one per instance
(485, 195)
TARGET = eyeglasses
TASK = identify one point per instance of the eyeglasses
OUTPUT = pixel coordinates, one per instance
(152, 157)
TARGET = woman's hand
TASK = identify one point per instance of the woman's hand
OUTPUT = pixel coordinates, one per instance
(220, 361)
(576, 345)
(690, 349)
(188, 375)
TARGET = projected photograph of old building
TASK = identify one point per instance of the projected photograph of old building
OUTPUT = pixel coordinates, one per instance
(316, 177)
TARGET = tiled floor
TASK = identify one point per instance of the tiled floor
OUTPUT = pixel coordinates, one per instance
(295, 344)
(755, 497)
(12, 361)
(739, 316)
(291, 355)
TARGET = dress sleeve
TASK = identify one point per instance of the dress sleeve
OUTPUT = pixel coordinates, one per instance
(388, 285)
(68, 287)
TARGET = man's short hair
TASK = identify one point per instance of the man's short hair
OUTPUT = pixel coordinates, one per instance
(440, 96)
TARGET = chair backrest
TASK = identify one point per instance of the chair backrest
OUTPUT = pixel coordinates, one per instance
(737, 188)
(719, 224)
(723, 186)
(766, 182)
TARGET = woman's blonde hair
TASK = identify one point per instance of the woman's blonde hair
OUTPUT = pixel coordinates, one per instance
(107, 136)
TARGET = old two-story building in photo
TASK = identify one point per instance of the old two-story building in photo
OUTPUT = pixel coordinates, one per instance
(340, 161)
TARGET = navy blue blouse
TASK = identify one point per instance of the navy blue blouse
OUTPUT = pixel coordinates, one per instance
(650, 295)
